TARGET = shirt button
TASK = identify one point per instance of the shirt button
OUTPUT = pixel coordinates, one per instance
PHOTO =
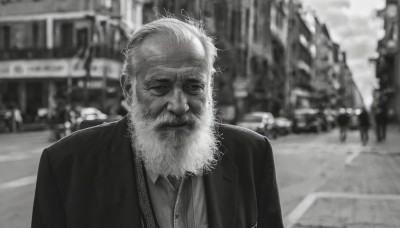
(176, 216)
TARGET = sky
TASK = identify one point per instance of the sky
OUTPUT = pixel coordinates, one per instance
(353, 24)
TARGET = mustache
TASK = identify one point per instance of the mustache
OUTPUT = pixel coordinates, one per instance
(171, 120)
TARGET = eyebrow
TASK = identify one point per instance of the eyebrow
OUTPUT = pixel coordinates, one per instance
(164, 76)
(158, 75)
(196, 79)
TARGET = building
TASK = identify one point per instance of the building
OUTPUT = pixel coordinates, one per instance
(301, 59)
(279, 37)
(65, 52)
(259, 58)
(387, 64)
(348, 92)
(326, 81)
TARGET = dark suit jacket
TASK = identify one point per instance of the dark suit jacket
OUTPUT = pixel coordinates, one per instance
(87, 180)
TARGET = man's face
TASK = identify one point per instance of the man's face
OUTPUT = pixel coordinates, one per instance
(172, 78)
(172, 116)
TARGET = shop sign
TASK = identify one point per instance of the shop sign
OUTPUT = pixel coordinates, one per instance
(91, 84)
(59, 68)
(33, 69)
(98, 69)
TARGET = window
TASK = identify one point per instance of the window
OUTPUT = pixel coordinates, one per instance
(35, 35)
(67, 35)
(82, 37)
(6, 31)
(235, 26)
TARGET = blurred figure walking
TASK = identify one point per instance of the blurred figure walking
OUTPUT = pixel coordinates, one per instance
(17, 120)
(381, 121)
(364, 124)
(343, 120)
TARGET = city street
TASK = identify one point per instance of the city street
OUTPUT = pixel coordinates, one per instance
(323, 182)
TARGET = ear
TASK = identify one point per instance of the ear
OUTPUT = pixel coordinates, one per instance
(126, 85)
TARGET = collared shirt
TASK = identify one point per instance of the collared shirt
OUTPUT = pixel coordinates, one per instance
(181, 206)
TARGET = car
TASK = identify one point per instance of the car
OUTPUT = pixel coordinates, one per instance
(307, 120)
(260, 122)
(283, 125)
(90, 117)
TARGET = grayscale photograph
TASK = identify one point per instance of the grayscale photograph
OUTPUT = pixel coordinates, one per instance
(199, 113)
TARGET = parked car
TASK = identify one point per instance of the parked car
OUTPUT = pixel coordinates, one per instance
(283, 125)
(307, 120)
(260, 122)
(90, 117)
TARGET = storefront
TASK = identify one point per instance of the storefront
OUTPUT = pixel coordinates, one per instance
(37, 84)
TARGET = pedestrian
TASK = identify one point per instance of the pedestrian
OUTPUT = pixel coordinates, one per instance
(380, 122)
(167, 163)
(364, 124)
(17, 119)
(59, 120)
(343, 120)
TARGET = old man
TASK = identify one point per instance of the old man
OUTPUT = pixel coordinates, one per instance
(168, 163)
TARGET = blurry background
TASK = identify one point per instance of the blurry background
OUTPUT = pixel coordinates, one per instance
(275, 56)
(284, 66)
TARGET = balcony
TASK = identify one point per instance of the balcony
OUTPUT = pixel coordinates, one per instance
(57, 53)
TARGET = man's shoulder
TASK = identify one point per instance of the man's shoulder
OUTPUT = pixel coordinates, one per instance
(242, 139)
(231, 132)
(247, 149)
(83, 141)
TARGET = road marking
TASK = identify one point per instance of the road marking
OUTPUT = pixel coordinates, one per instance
(18, 182)
(357, 196)
(13, 157)
(350, 158)
(309, 200)
(301, 208)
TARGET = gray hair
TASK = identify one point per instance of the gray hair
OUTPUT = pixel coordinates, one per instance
(169, 28)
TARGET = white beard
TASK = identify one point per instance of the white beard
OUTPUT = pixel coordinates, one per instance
(174, 153)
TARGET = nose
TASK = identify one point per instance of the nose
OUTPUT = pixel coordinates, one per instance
(178, 103)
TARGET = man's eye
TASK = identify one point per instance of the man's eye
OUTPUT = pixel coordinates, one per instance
(160, 90)
(194, 88)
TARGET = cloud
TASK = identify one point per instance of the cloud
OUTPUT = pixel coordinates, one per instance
(359, 48)
(356, 27)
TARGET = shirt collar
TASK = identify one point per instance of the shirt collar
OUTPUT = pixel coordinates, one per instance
(153, 176)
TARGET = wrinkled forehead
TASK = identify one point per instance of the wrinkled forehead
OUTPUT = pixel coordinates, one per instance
(158, 49)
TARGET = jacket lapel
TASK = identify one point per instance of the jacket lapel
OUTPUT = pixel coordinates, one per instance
(115, 184)
(221, 192)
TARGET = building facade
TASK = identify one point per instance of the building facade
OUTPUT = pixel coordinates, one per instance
(387, 96)
(326, 81)
(62, 51)
(301, 59)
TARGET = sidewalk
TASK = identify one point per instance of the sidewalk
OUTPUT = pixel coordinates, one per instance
(365, 193)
